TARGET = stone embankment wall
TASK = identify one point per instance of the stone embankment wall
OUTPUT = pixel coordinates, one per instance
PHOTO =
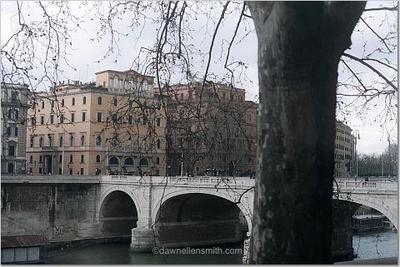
(58, 211)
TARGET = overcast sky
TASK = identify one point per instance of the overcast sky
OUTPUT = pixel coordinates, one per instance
(86, 56)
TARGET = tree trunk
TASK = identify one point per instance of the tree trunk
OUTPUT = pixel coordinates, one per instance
(299, 47)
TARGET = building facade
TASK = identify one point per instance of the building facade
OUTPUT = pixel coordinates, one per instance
(344, 151)
(89, 129)
(211, 130)
(14, 105)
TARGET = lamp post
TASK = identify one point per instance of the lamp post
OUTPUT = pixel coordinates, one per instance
(356, 137)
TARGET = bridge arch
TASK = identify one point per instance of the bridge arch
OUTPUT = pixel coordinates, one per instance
(245, 205)
(108, 191)
(377, 204)
(117, 213)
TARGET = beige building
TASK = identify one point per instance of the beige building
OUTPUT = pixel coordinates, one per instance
(344, 150)
(210, 130)
(107, 127)
(14, 105)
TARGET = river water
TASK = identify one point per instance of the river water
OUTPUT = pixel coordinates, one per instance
(368, 246)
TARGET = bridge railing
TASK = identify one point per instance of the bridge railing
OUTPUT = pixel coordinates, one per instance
(357, 185)
(181, 180)
(212, 180)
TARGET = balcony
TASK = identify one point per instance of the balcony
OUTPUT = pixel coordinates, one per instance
(49, 148)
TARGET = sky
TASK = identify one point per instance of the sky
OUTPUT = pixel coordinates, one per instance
(86, 55)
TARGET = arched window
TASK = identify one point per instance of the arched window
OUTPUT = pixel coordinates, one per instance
(128, 161)
(99, 100)
(113, 161)
(143, 162)
(73, 101)
(98, 158)
(84, 100)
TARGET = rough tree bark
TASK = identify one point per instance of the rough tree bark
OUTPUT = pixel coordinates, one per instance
(299, 47)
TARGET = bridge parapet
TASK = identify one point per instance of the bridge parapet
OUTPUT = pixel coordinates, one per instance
(180, 180)
(352, 185)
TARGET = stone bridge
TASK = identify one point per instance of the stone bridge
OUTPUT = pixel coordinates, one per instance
(159, 209)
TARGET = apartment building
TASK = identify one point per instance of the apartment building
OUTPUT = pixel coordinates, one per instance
(211, 130)
(14, 105)
(112, 126)
(344, 150)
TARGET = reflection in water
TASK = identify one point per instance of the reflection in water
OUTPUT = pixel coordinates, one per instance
(376, 245)
(120, 254)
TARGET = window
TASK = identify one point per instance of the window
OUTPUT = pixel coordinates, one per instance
(62, 118)
(59, 171)
(61, 141)
(10, 114)
(51, 119)
(42, 104)
(82, 158)
(41, 120)
(70, 171)
(73, 101)
(30, 159)
(84, 100)
(81, 171)
(158, 144)
(130, 120)
(52, 103)
(83, 116)
(98, 116)
(71, 158)
(16, 131)
(82, 140)
(62, 102)
(60, 159)
(113, 161)
(114, 118)
(32, 141)
(158, 122)
(16, 114)
(99, 100)
(71, 140)
(8, 131)
(40, 159)
(14, 97)
(114, 140)
(72, 117)
(40, 170)
(98, 158)
(40, 141)
(50, 140)
(98, 140)
(115, 102)
(33, 121)
(157, 160)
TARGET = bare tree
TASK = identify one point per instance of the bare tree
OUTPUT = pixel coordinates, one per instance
(299, 48)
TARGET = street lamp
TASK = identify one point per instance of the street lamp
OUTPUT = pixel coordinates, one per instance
(355, 150)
